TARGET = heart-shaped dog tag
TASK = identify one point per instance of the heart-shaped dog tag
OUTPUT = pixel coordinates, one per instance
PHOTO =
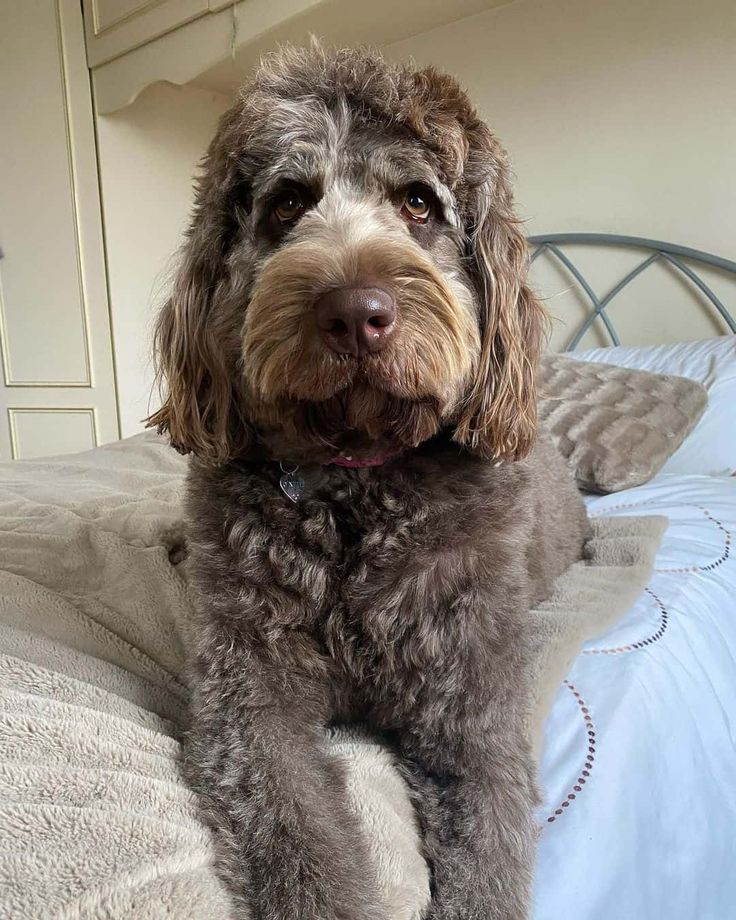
(292, 485)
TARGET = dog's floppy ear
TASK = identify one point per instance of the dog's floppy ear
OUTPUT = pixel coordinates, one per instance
(196, 362)
(498, 418)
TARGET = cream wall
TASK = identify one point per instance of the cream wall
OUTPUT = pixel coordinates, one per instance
(620, 117)
(148, 153)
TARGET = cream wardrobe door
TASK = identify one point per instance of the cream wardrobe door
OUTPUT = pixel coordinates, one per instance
(57, 392)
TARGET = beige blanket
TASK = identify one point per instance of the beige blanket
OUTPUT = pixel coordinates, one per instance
(95, 820)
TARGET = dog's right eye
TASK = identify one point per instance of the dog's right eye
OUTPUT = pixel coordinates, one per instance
(418, 204)
(289, 206)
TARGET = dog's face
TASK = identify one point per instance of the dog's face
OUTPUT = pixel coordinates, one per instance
(353, 278)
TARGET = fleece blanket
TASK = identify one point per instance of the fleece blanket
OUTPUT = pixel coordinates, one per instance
(95, 819)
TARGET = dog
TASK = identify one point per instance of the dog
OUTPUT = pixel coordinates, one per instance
(349, 355)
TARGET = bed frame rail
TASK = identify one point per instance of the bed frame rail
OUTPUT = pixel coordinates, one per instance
(681, 258)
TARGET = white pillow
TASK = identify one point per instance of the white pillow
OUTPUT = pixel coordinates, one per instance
(711, 447)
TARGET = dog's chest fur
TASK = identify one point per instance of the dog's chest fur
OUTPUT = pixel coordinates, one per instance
(392, 582)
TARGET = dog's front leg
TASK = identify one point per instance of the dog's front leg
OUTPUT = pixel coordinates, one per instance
(288, 846)
(474, 792)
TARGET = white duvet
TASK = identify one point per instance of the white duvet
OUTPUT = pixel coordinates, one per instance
(639, 771)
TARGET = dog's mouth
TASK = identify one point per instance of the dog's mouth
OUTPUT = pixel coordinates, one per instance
(317, 404)
(340, 377)
(360, 420)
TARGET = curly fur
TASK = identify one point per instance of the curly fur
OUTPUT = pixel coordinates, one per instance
(394, 595)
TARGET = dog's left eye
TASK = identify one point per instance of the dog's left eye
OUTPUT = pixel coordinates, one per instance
(417, 204)
(289, 206)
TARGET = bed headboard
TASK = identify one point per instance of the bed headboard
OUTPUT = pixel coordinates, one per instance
(701, 272)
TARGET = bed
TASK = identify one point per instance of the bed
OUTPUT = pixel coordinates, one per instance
(639, 756)
(639, 767)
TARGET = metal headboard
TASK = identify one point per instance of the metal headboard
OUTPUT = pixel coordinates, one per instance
(658, 252)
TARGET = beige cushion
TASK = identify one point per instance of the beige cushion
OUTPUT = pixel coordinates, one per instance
(616, 426)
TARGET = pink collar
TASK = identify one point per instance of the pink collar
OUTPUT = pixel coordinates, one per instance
(292, 484)
(355, 463)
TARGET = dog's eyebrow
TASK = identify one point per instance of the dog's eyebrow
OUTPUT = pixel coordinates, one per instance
(287, 169)
(447, 200)
(293, 168)
(396, 170)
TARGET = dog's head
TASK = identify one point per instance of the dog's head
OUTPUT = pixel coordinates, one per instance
(353, 277)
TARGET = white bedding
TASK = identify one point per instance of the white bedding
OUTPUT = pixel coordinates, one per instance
(639, 771)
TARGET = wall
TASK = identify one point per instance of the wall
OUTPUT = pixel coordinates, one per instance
(148, 154)
(620, 117)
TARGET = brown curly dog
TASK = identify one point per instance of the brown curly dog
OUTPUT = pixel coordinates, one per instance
(349, 354)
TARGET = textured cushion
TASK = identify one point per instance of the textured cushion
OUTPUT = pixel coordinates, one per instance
(616, 426)
(711, 447)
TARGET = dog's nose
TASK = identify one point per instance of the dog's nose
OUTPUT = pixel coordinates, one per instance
(353, 321)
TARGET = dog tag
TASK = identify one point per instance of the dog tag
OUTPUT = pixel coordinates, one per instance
(292, 484)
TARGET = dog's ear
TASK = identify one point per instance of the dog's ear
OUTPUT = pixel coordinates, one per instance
(498, 417)
(195, 339)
